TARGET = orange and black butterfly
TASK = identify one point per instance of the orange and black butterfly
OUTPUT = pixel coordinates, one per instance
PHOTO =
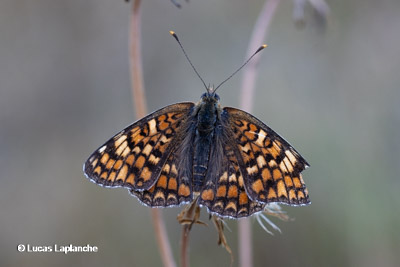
(227, 159)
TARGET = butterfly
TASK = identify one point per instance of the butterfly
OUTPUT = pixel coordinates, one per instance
(224, 158)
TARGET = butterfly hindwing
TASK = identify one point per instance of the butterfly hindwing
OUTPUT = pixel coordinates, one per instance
(271, 166)
(171, 189)
(224, 189)
(135, 157)
(226, 194)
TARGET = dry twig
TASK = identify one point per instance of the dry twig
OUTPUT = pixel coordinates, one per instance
(247, 95)
(139, 102)
(189, 216)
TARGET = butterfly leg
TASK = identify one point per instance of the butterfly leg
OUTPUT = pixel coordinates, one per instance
(190, 215)
(219, 225)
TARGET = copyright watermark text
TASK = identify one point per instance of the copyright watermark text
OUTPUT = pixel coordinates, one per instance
(57, 248)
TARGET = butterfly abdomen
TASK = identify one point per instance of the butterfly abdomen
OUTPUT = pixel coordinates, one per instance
(201, 157)
(205, 126)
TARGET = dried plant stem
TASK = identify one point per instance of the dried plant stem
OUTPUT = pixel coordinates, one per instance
(245, 244)
(247, 95)
(257, 38)
(139, 102)
(139, 99)
(185, 246)
(162, 238)
(189, 216)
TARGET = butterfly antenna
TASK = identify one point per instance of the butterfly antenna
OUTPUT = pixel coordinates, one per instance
(244, 64)
(184, 52)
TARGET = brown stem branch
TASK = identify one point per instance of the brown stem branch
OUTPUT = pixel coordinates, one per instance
(185, 246)
(138, 96)
(247, 95)
(245, 243)
(162, 238)
(190, 215)
(139, 102)
(257, 38)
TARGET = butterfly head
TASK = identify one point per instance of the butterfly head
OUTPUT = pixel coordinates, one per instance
(210, 95)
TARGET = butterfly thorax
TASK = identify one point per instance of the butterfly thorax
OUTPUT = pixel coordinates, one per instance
(207, 117)
(207, 113)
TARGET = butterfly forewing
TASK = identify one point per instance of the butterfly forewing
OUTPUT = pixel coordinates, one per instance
(135, 157)
(270, 166)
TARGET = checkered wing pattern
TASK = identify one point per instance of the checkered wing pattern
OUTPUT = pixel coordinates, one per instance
(271, 167)
(224, 192)
(136, 157)
(171, 189)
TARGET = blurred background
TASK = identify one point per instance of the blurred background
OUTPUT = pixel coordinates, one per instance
(330, 88)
